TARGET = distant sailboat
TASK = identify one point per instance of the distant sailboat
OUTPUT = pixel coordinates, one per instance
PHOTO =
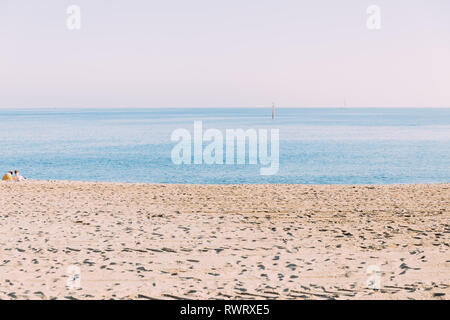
(273, 110)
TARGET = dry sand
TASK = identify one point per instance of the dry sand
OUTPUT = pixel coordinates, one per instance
(241, 242)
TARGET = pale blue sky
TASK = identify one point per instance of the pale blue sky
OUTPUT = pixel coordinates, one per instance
(228, 53)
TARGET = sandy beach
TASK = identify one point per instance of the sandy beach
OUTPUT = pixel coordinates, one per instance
(143, 241)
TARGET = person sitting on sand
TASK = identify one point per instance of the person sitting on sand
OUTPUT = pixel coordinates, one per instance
(18, 177)
(8, 176)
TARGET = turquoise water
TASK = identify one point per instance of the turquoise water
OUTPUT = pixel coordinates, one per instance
(317, 146)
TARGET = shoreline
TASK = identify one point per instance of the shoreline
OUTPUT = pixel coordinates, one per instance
(225, 185)
(168, 241)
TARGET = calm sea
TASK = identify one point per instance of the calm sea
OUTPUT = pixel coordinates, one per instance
(317, 146)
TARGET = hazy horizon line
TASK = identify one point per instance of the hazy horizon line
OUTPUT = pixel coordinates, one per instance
(230, 107)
